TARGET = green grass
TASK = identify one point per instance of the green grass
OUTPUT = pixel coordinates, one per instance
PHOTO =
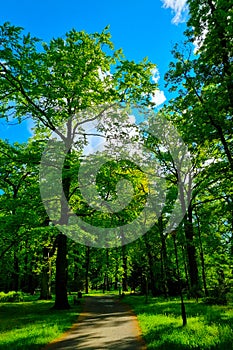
(101, 294)
(209, 327)
(32, 324)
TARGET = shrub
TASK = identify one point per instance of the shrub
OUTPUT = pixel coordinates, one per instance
(11, 297)
(217, 296)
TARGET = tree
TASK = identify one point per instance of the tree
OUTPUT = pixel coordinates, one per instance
(22, 212)
(51, 83)
(201, 75)
(203, 108)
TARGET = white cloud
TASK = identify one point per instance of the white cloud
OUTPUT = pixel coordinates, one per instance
(158, 97)
(179, 8)
(132, 119)
(155, 75)
(109, 138)
(103, 75)
(199, 41)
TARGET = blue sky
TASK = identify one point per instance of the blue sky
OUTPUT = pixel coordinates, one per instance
(141, 28)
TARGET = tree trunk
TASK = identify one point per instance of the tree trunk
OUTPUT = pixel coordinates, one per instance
(32, 283)
(77, 282)
(185, 268)
(15, 274)
(116, 270)
(151, 263)
(45, 292)
(183, 311)
(191, 252)
(164, 262)
(87, 264)
(125, 270)
(201, 256)
(152, 273)
(107, 275)
(61, 301)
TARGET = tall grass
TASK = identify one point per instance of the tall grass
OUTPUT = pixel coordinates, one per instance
(209, 327)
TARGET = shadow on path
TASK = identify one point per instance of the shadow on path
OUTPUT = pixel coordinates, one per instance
(105, 323)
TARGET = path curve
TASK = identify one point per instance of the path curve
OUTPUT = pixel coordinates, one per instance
(105, 323)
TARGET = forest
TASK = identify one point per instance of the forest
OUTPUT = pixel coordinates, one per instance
(62, 86)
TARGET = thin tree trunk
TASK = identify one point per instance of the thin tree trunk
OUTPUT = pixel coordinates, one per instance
(164, 262)
(191, 252)
(107, 265)
(124, 264)
(87, 264)
(152, 273)
(201, 256)
(15, 275)
(183, 311)
(116, 270)
(45, 292)
(125, 270)
(185, 268)
(151, 263)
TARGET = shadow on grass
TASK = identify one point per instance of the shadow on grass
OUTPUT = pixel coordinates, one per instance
(30, 325)
(156, 340)
(158, 306)
(209, 327)
(16, 345)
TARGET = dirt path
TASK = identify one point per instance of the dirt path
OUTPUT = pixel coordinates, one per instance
(105, 323)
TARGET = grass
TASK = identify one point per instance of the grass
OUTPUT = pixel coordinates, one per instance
(32, 324)
(100, 293)
(209, 327)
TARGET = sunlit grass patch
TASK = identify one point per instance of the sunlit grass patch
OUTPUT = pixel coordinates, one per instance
(209, 327)
(31, 325)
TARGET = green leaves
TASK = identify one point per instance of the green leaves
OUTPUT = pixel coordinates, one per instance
(52, 81)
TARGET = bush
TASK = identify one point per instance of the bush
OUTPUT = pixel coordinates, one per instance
(11, 297)
(217, 296)
(229, 297)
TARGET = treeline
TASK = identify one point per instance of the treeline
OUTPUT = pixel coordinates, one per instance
(62, 79)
